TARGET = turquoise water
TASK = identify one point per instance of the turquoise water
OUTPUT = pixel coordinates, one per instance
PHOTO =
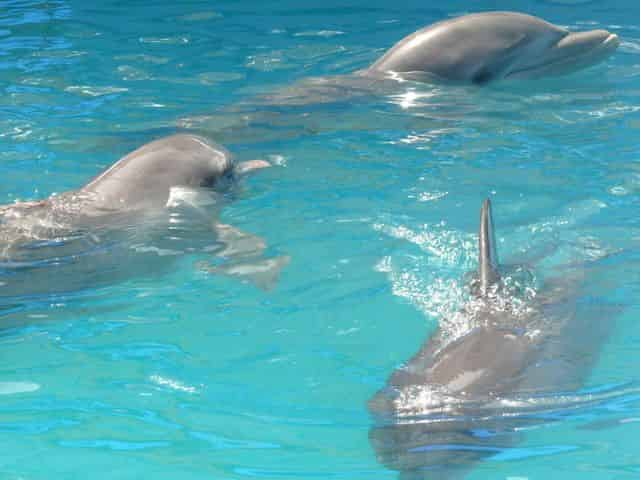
(177, 373)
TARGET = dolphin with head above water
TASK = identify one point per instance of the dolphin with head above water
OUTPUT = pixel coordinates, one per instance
(143, 179)
(483, 47)
(466, 394)
(170, 182)
(474, 49)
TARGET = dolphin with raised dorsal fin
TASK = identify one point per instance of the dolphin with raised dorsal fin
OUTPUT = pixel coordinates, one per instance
(464, 397)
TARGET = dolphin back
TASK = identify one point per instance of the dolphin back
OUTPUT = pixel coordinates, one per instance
(487, 258)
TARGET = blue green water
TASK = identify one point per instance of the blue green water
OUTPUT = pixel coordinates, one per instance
(186, 375)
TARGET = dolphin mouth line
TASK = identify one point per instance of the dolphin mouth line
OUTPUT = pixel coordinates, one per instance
(611, 42)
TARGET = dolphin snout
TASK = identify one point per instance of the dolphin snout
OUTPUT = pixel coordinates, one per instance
(583, 42)
(612, 40)
(590, 47)
(574, 51)
(581, 49)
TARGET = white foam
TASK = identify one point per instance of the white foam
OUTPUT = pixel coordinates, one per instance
(11, 388)
(172, 384)
(189, 196)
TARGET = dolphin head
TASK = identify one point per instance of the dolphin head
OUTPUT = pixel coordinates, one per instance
(572, 52)
(483, 47)
(144, 178)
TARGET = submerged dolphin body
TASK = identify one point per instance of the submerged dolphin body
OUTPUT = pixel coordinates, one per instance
(155, 202)
(464, 397)
(483, 47)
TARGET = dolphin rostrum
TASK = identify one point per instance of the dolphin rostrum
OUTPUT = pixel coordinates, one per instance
(466, 395)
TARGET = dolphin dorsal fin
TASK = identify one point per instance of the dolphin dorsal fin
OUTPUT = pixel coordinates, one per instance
(488, 259)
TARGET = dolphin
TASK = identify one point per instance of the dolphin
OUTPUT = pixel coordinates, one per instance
(142, 180)
(484, 47)
(466, 396)
(475, 49)
(140, 205)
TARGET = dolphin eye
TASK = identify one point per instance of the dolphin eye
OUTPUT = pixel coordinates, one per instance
(482, 77)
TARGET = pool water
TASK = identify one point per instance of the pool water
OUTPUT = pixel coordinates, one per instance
(181, 374)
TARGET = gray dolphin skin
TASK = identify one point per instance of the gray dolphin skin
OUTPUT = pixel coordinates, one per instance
(465, 396)
(158, 201)
(483, 47)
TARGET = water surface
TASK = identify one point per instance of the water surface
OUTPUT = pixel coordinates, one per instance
(182, 374)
